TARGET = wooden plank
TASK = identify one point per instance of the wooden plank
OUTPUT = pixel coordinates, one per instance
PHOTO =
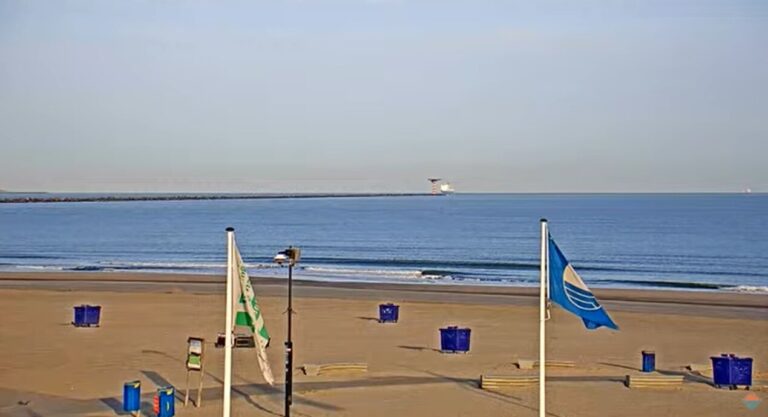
(320, 369)
(504, 381)
(654, 381)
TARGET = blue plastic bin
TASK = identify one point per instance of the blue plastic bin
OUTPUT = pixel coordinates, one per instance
(132, 396)
(649, 361)
(721, 370)
(448, 339)
(453, 339)
(92, 315)
(730, 370)
(79, 320)
(389, 313)
(167, 396)
(87, 315)
(741, 371)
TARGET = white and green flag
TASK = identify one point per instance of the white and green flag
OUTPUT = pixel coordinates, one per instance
(248, 314)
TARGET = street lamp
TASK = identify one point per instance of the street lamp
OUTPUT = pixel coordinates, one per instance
(291, 257)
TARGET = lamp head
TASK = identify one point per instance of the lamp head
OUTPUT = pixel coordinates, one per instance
(280, 258)
(290, 255)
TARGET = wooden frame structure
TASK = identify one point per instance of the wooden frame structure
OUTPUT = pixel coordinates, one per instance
(195, 363)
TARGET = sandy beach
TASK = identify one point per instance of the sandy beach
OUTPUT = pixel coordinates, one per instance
(50, 368)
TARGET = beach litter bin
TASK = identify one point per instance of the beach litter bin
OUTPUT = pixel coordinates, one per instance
(731, 371)
(132, 396)
(649, 361)
(454, 339)
(389, 313)
(741, 372)
(92, 315)
(166, 397)
(79, 319)
(87, 315)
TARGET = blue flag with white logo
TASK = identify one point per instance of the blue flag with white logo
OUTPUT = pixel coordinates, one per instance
(567, 289)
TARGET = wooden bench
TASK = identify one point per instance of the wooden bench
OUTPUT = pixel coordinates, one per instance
(332, 368)
(507, 381)
(654, 381)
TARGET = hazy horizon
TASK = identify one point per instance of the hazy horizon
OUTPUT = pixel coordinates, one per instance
(378, 95)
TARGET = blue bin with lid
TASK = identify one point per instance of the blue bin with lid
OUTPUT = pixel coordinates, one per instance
(92, 315)
(132, 396)
(79, 319)
(730, 370)
(741, 371)
(454, 339)
(87, 315)
(649, 361)
(389, 313)
(721, 370)
(167, 401)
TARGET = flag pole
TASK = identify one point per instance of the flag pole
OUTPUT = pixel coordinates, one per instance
(542, 319)
(228, 325)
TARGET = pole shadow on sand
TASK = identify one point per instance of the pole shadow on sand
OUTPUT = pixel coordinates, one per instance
(246, 391)
(687, 376)
(419, 348)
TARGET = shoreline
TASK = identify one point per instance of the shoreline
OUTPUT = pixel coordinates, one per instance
(52, 368)
(713, 303)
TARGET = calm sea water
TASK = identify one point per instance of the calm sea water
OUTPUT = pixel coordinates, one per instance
(652, 241)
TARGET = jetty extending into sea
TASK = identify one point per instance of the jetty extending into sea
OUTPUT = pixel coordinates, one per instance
(181, 197)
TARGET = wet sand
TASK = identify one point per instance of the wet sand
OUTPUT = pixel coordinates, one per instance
(146, 319)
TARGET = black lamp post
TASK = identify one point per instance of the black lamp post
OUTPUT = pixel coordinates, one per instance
(291, 256)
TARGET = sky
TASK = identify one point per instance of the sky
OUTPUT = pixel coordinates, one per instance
(378, 95)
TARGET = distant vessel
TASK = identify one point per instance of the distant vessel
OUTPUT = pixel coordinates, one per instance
(446, 188)
(747, 191)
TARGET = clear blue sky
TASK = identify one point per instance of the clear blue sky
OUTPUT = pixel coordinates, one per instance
(378, 95)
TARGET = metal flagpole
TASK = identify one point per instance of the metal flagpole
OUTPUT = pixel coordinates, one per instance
(228, 326)
(289, 346)
(542, 318)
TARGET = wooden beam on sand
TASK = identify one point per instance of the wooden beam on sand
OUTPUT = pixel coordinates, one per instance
(330, 368)
(654, 381)
(491, 382)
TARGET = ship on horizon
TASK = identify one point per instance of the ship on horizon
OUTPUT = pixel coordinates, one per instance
(447, 188)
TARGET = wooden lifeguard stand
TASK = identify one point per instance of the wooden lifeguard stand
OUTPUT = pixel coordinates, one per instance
(195, 363)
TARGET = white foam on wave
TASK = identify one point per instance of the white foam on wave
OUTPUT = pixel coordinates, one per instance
(40, 267)
(169, 265)
(756, 289)
(177, 265)
(374, 272)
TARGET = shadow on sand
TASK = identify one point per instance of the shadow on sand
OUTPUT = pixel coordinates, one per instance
(420, 348)
(687, 376)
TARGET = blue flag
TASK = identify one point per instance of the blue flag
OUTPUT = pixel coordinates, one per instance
(568, 290)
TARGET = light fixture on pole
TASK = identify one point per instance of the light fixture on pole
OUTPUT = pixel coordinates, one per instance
(291, 257)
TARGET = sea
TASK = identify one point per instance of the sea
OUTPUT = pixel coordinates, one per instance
(702, 242)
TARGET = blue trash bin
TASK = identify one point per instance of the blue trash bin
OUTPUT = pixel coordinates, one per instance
(462, 340)
(731, 371)
(132, 396)
(721, 370)
(454, 339)
(741, 371)
(79, 319)
(388, 313)
(649, 361)
(167, 397)
(448, 339)
(92, 315)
